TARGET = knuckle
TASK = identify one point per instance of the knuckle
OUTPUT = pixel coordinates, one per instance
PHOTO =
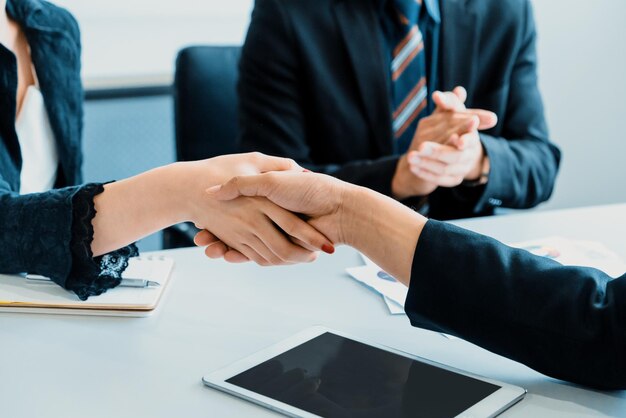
(233, 181)
(271, 176)
(256, 155)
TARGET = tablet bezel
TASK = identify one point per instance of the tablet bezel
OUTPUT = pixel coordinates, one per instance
(491, 406)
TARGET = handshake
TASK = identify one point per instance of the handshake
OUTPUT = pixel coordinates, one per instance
(253, 207)
(268, 210)
(272, 211)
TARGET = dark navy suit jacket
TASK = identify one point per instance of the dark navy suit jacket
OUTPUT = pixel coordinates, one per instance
(313, 87)
(566, 322)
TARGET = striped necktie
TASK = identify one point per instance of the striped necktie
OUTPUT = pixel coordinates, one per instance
(408, 74)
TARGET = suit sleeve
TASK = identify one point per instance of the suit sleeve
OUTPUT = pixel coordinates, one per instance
(565, 322)
(523, 161)
(272, 108)
(524, 168)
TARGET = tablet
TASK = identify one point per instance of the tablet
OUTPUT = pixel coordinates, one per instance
(324, 373)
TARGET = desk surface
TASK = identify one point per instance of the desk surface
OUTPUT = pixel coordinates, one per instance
(214, 314)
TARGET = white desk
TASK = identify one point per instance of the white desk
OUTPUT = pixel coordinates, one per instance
(213, 314)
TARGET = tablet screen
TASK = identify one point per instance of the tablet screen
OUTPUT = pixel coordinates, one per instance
(333, 376)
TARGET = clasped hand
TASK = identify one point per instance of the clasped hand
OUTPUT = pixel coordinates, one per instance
(248, 227)
(446, 148)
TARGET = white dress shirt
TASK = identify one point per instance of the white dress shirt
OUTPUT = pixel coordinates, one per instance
(40, 159)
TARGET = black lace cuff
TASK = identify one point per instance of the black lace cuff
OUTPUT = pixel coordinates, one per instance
(92, 276)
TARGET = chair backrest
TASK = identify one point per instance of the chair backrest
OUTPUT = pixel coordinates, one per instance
(205, 101)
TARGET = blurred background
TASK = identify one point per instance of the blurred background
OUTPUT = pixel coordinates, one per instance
(129, 48)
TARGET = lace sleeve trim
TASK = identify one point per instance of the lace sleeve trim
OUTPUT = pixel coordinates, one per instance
(92, 276)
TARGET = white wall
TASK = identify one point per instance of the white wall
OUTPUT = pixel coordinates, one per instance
(582, 68)
(136, 41)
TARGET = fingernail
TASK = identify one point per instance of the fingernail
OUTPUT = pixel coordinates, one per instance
(427, 150)
(304, 170)
(414, 159)
(328, 249)
(214, 189)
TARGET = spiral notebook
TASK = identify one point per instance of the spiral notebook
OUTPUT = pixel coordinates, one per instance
(17, 295)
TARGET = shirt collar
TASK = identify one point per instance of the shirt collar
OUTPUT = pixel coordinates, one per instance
(432, 7)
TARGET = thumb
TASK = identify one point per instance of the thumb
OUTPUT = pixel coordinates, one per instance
(258, 185)
(486, 118)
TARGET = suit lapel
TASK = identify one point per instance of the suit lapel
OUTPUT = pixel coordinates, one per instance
(357, 23)
(458, 47)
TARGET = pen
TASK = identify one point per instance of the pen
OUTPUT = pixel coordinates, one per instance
(140, 283)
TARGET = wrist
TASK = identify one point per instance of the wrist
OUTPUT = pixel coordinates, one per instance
(480, 173)
(381, 228)
(354, 214)
(405, 184)
(401, 182)
(180, 191)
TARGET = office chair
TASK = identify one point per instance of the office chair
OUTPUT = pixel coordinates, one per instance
(205, 113)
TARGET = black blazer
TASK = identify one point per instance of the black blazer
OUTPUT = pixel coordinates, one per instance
(50, 233)
(313, 87)
(35, 229)
(566, 322)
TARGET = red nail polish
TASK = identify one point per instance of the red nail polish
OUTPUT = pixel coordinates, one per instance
(328, 249)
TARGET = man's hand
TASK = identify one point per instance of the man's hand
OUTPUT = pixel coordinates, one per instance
(448, 165)
(446, 148)
(406, 184)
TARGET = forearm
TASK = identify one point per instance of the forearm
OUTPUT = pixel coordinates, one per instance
(381, 228)
(130, 209)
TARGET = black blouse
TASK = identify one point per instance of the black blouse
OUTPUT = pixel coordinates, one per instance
(50, 233)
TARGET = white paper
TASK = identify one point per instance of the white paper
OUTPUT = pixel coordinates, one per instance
(576, 253)
(394, 308)
(369, 276)
(563, 250)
